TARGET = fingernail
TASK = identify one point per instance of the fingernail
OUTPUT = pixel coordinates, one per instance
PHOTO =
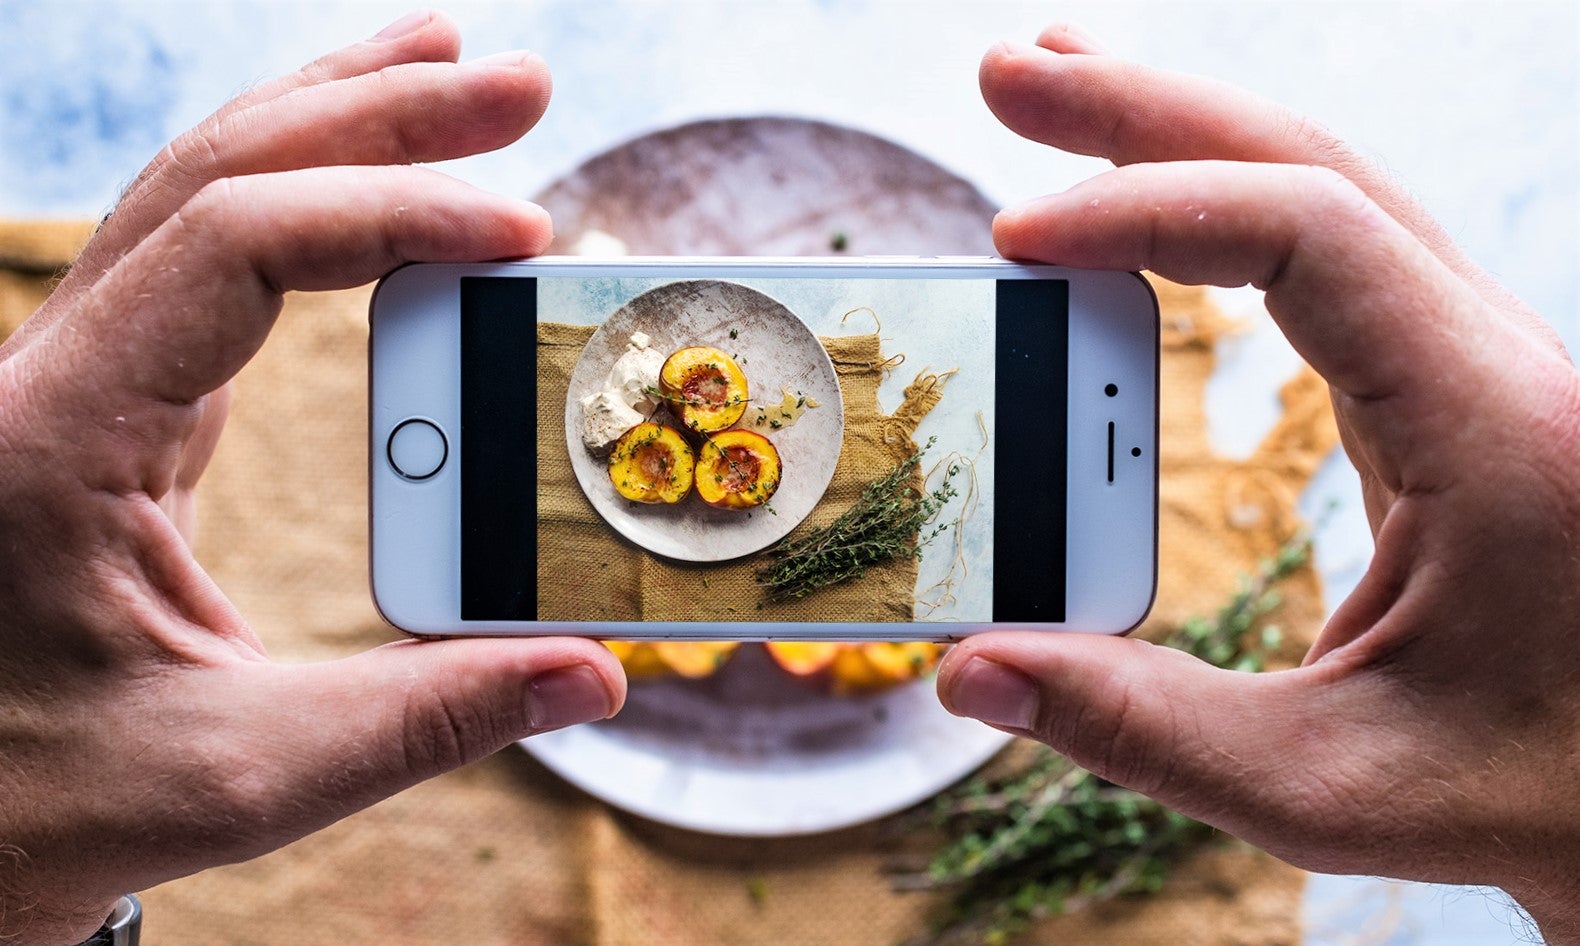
(1087, 41)
(1041, 204)
(1007, 217)
(509, 59)
(1029, 210)
(405, 26)
(995, 694)
(566, 696)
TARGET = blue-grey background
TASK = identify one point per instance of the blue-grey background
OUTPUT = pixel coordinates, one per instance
(1475, 104)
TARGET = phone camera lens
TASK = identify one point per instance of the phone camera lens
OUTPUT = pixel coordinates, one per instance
(1111, 390)
(1135, 451)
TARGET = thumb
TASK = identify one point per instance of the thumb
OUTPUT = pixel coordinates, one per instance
(1150, 718)
(357, 730)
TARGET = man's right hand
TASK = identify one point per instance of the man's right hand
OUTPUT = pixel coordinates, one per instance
(1434, 730)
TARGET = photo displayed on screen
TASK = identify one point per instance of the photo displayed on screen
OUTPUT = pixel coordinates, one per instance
(763, 449)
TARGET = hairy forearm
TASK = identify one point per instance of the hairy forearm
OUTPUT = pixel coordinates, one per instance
(1555, 910)
(28, 916)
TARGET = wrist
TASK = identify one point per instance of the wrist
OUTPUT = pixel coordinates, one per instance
(1555, 912)
(123, 927)
(1538, 865)
(118, 923)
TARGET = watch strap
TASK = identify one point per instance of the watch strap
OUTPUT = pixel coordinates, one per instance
(123, 927)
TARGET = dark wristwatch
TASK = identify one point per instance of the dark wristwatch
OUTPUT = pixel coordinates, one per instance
(123, 927)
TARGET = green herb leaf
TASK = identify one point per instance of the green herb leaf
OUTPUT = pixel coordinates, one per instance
(1052, 838)
(885, 523)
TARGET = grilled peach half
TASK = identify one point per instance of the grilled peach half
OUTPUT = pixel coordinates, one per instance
(737, 469)
(804, 658)
(652, 463)
(854, 668)
(705, 388)
(691, 659)
(878, 665)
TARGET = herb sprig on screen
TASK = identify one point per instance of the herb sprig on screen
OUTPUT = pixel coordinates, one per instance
(890, 521)
(1053, 838)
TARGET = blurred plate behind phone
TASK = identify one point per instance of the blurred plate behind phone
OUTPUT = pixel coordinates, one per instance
(749, 751)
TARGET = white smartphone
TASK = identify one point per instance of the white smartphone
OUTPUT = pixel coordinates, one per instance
(624, 448)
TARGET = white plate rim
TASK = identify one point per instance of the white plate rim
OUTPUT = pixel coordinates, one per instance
(851, 789)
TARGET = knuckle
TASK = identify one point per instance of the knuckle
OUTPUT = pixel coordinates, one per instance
(1331, 822)
(195, 154)
(1545, 440)
(440, 735)
(1116, 134)
(1554, 408)
(399, 144)
(1567, 434)
(211, 205)
(1313, 139)
(228, 800)
(1329, 191)
(1324, 150)
(1122, 742)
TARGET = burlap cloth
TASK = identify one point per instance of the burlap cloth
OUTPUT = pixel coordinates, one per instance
(501, 851)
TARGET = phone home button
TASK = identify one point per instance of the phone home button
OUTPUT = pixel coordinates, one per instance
(417, 448)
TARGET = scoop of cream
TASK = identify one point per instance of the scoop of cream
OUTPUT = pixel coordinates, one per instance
(635, 373)
(604, 418)
(623, 400)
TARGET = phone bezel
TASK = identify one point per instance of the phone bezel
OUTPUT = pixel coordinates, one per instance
(414, 370)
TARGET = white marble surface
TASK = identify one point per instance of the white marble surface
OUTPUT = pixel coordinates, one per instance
(1473, 103)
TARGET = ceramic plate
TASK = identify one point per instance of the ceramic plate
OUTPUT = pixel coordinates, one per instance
(777, 352)
(751, 752)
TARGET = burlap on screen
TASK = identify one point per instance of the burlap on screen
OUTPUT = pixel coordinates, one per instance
(502, 852)
(617, 581)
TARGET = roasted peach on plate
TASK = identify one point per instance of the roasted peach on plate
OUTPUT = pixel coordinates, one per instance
(804, 659)
(652, 463)
(704, 387)
(737, 469)
(775, 352)
(856, 667)
(878, 665)
(645, 660)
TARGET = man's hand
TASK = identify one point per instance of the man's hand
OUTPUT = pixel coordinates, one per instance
(145, 734)
(1434, 730)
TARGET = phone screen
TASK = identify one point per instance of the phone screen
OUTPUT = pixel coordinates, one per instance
(613, 465)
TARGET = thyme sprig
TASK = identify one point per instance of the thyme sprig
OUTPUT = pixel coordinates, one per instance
(890, 521)
(1052, 838)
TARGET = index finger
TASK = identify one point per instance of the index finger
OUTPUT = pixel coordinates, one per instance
(181, 314)
(1060, 94)
(424, 36)
(1414, 352)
